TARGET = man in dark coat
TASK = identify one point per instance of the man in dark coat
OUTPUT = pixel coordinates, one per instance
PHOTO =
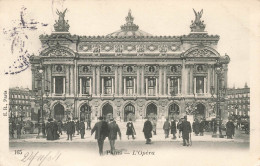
(49, 129)
(70, 126)
(89, 123)
(166, 128)
(11, 130)
(82, 129)
(113, 130)
(196, 127)
(179, 127)
(186, 130)
(60, 127)
(101, 132)
(148, 130)
(130, 130)
(230, 129)
(55, 130)
(201, 127)
(173, 128)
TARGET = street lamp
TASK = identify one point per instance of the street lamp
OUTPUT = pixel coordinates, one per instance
(39, 88)
(221, 91)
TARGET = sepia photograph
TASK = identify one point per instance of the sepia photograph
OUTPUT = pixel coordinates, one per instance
(113, 82)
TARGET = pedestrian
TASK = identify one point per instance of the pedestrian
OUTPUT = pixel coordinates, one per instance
(49, 129)
(11, 130)
(60, 125)
(201, 127)
(179, 127)
(82, 129)
(55, 130)
(166, 127)
(173, 128)
(101, 132)
(19, 129)
(196, 127)
(113, 130)
(70, 126)
(154, 124)
(77, 126)
(130, 130)
(148, 130)
(186, 130)
(230, 129)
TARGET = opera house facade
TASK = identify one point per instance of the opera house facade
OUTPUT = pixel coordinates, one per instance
(128, 73)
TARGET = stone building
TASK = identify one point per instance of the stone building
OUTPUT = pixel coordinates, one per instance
(238, 102)
(20, 103)
(128, 73)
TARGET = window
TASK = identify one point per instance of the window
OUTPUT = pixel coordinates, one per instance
(108, 85)
(85, 69)
(151, 86)
(200, 68)
(174, 86)
(129, 85)
(85, 85)
(58, 68)
(200, 84)
(173, 69)
(58, 85)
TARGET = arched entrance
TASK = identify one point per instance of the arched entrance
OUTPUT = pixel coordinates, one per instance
(85, 112)
(151, 110)
(129, 112)
(200, 111)
(173, 111)
(107, 111)
(58, 112)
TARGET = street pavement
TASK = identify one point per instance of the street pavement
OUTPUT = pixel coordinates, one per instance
(240, 136)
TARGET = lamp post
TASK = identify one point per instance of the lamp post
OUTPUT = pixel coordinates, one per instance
(221, 91)
(40, 97)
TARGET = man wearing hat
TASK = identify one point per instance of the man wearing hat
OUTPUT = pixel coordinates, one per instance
(113, 129)
(148, 130)
(230, 128)
(70, 126)
(186, 130)
(101, 132)
(49, 129)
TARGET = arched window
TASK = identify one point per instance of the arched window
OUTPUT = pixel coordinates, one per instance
(129, 69)
(85, 69)
(58, 68)
(151, 69)
(107, 69)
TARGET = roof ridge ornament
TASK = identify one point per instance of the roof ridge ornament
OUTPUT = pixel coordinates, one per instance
(61, 25)
(129, 23)
(197, 25)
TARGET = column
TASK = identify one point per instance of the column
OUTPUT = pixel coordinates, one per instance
(120, 80)
(169, 83)
(208, 81)
(138, 80)
(146, 86)
(124, 86)
(71, 80)
(67, 79)
(102, 86)
(205, 85)
(194, 90)
(178, 85)
(165, 81)
(64, 84)
(134, 86)
(76, 81)
(156, 86)
(112, 85)
(160, 81)
(98, 80)
(94, 80)
(183, 78)
(80, 86)
(116, 88)
(191, 80)
(142, 81)
(54, 85)
(90, 84)
(49, 78)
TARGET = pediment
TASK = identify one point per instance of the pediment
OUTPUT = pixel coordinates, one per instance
(58, 51)
(197, 52)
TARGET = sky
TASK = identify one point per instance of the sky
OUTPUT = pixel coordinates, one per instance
(230, 20)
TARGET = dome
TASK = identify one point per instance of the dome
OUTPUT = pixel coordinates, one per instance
(129, 29)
